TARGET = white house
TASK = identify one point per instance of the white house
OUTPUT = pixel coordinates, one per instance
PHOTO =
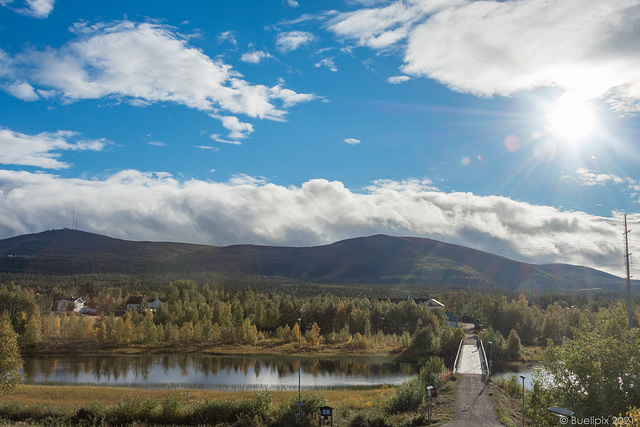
(153, 305)
(134, 302)
(433, 304)
(65, 303)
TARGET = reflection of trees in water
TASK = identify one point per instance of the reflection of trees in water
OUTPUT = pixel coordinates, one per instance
(105, 369)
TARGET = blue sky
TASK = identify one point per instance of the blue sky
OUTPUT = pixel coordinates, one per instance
(508, 126)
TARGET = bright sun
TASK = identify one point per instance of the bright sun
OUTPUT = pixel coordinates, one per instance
(571, 119)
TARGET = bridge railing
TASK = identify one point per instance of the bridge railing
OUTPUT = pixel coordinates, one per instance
(455, 364)
(483, 359)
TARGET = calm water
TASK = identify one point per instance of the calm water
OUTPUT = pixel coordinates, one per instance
(215, 372)
(527, 371)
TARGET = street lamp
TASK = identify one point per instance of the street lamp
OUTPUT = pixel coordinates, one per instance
(429, 396)
(522, 376)
(561, 412)
(299, 372)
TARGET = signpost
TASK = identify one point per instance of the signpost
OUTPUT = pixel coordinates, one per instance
(326, 413)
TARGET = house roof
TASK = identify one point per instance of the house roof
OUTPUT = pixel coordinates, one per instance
(73, 299)
(432, 301)
(137, 299)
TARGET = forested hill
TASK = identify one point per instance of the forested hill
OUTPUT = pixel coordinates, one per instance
(376, 259)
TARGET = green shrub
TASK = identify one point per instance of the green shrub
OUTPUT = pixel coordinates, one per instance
(131, 408)
(90, 414)
(256, 411)
(409, 397)
(311, 404)
(362, 420)
(172, 409)
(431, 371)
(44, 414)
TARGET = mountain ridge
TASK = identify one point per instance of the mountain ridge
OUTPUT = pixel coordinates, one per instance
(376, 259)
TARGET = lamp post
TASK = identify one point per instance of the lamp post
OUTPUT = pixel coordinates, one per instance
(490, 356)
(522, 376)
(299, 371)
(561, 412)
(429, 396)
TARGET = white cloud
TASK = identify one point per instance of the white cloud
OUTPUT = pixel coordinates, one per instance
(292, 40)
(255, 57)
(590, 178)
(498, 48)
(327, 62)
(155, 206)
(216, 137)
(207, 147)
(23, 91)
(35, 8)
(291, 3)
(157, 143)
(352, 141)
(144, 64)
(228, 36)
(42, 150)
(238, 130)
(394, 80)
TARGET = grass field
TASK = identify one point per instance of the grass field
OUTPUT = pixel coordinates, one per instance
(61, 405)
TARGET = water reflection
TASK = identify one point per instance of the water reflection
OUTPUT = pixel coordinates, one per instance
(215, 372)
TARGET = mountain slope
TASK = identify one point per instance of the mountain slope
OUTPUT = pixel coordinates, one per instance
(376, 259)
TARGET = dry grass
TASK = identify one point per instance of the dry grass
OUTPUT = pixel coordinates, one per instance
(81, 395)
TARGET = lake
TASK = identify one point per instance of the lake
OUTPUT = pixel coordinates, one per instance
(217, 372)
(526, 370)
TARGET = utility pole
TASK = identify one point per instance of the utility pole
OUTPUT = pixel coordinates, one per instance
(628, 278)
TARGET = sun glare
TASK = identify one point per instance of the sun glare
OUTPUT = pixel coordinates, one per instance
(571, 119)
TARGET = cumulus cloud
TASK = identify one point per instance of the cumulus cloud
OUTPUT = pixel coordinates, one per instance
(23, 91)
(352, 141)
(292, 40)
(155, 206)
(143, 63)
(498, 48)
(591, 178)
(255, 57)
(35, 8)
(42, 150)
(395, 80)
(237, 129)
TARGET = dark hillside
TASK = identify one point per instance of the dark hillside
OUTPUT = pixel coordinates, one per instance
(371, 260)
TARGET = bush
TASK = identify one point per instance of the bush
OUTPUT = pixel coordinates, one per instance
(431, 371)
(409, 397)
(172, 409)
(362, 420)
(90, 414)
(311, 403)
(131, 408)
(257, 410)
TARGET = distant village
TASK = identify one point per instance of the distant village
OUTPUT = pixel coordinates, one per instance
(142, 304)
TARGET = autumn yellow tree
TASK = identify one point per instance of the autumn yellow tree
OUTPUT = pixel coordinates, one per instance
(10, 361)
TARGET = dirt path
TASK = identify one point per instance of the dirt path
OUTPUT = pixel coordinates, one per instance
(473, 405)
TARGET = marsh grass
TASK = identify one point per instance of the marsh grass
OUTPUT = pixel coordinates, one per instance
(96, 406)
